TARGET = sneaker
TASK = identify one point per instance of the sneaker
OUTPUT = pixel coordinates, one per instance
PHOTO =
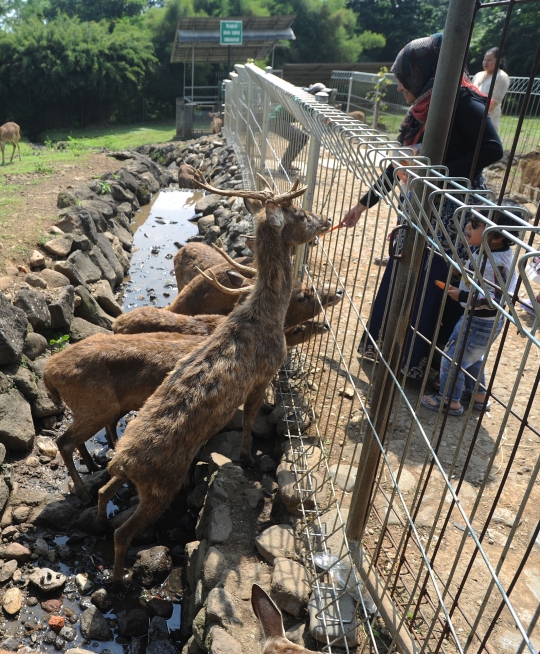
(527, 306)
(382, 261)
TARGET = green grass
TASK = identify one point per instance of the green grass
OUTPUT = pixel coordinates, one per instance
(115, 137)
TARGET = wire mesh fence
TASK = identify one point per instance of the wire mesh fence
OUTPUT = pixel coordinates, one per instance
(421, 527)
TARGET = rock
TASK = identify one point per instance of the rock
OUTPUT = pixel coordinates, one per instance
(44, 404)
(208, 204)
(61, 308)
(262, 428)
(152, 565)
(60, 246)
(344, 475)
(79, 269)
(90, 310)
(107, 250)
(291, 586)
(213, 567)
(266, 463)
(158, 638)
(228, 444)
(269, 485)
(197, 496)
(81, 329)
(134, 623)
(254, 497)
(220, 608)
(13, 326)
(343, 611)
(219, 641)
(277, 541)
(102, 599)
(11, 644)
(94, 626)
(21, 513)
(219, 525)
(205, 223)
(35, 307)
(68, 633)
(34, 345)
(25, 382)
(51, 606)
(83, 583)
(46, 446)
(216, 461)
(37, 260)
(107, 272)
(12, 601)
(102, 293)
(16, 424)
(47, 580)
(296, 633)
(57, 513)
(7, 570)
(125, 238)
(77, 220)
(54, 279)
(505, 517)
(87, 521)
(293, 492)
(2, 459)
(56, 622)
(160, 607)
(35, 280)
(119, 251)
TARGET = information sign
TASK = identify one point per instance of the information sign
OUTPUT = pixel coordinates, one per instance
(230, 32)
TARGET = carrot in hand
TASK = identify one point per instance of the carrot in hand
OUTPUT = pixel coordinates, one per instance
(440, 284)
(332, 229)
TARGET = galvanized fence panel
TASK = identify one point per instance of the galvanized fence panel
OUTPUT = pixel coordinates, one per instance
(449, 556)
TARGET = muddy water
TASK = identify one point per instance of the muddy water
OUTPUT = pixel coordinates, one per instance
(151, 282)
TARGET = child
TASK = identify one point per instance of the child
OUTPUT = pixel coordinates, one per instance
(475, 343)
(533, 273)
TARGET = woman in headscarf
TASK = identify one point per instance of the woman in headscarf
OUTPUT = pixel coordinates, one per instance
(415, 68)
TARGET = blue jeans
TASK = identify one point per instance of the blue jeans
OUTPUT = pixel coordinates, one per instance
(474, 346)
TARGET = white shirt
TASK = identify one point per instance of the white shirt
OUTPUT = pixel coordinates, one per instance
(482, 81)
(503, 259)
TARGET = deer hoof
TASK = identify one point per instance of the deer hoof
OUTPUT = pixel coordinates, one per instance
(246, 461)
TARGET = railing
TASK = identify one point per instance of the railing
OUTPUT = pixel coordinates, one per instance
(445, 540)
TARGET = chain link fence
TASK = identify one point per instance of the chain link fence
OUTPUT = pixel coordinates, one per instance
(421, 528)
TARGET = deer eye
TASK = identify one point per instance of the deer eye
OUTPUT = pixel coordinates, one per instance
(302, 298)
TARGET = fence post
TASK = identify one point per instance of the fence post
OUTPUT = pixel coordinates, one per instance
(228, 99)
(349, 94)
(264, 136)
(249, 137)
(447, 81)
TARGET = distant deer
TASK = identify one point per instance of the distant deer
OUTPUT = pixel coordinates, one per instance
(10, 133)
(231, 368)
(358, 115)
(216, 123)
(275, 640)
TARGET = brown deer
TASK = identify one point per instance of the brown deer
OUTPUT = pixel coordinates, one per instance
(10, 133)
(215, 122)
(275, 640)
(231, 368)
(185, 176)
(358, 115)
(194, 256)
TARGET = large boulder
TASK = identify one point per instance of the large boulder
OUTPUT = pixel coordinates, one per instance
(101, 291)
(44, 405)
(90, 310)
(79, 269)
(106, 248)
(94, 626)
(34, 345)
(61, 306)
(54, 278)
(107, 271)
(13, 326)
(81, 329)
(152, 565)
(34, 305)
(16, 425)
(125, 238)
(78, 220)
(60, 246)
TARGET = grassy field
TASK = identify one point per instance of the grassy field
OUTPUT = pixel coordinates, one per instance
(28, 188)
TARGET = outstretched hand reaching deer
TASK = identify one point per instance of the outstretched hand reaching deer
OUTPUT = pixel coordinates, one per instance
(206, 387)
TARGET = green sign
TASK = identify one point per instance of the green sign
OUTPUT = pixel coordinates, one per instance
(230, 32)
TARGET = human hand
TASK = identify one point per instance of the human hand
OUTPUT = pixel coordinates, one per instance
(453, 292)
(351, 217)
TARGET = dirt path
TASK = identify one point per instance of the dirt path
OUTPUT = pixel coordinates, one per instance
(28, 203)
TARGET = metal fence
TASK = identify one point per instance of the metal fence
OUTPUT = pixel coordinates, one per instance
(432, 517)
(358, 91)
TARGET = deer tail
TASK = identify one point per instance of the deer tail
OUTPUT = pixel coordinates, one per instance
(49, 385)
(116, 469)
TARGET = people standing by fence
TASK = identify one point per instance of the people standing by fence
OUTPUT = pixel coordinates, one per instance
(415, 68)
(482, 81)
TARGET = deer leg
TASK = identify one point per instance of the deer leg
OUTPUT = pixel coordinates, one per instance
(111, 434)
(88, 460)
(148, 510)
(66, 445)
(251, 406)
(2, 146)
(105, 495)
(13, 153)
(19, 148)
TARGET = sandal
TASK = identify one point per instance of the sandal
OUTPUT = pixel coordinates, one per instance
(382, 261)
(436, 384)
(466, 397)
(438, 401)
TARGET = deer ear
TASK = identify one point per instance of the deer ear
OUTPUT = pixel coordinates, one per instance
(267, 612)
(274, 215)
(253, 206)
(237, 280)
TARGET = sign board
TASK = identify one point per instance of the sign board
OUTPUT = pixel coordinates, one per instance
(230, 32)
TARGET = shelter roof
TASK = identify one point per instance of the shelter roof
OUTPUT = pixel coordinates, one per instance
(197, 38)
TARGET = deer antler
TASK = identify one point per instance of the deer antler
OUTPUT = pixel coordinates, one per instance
(264, 181)
(210, 276)
(266, 195)
(238, 266)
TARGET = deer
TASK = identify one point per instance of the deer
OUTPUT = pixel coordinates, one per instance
(215, 123)
(268, 614)
(185, 176)
(358, 115)
(205, 388)
(10, 133)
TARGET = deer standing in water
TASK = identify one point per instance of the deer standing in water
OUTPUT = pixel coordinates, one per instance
(10, 133)
(206, 387)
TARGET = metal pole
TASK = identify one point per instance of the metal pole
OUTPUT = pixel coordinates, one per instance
(266, 114)
(349, 94)
(447, 81)
(193, 74)
(228, 59)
